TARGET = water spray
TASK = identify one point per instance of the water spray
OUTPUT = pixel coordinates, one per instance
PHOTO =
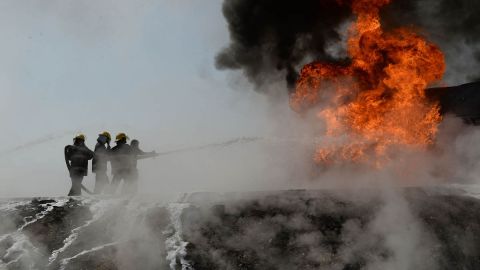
(232, 142)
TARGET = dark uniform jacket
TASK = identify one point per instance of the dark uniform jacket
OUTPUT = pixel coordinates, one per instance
(77, 157)
(101, 158)
(137, 154)
(121, 159)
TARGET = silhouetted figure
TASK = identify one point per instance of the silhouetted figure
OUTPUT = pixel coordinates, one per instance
(76, 158)
(121, 160)
(100, 161)
(137, 154)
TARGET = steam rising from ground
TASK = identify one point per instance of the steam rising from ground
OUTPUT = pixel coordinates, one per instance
(390, 234)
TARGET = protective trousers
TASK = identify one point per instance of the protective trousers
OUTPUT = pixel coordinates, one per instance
(128, 187)
(101, 182)
(132, 183)
(76, 189)
(116, 180)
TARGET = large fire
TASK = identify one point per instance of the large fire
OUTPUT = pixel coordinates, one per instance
(379, 101)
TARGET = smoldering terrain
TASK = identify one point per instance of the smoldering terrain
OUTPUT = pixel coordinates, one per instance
(410, 228)
(324, 218)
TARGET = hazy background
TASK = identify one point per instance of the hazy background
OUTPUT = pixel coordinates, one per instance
(142, 67)
(147, 68)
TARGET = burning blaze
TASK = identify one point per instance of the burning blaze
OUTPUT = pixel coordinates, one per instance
(378, 102)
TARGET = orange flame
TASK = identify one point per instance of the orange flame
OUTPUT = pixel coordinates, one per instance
(379, 102)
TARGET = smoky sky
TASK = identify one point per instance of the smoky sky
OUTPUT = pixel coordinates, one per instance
(272, 38)
(269, 36)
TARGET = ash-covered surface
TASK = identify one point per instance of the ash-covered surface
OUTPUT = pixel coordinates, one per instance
(416, 229)
(454, 221)
(81, 233)
(338, 229)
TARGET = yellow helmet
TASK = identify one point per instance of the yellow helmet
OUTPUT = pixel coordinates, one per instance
(121, 136)
(80, 137)
(106, 134)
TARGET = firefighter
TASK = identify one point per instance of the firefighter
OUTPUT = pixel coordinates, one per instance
(100, 161)
(121, 161)
(77, 157)
(137, 154)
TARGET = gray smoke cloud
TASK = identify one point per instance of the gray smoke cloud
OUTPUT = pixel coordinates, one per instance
(271, 40)
(453, 25)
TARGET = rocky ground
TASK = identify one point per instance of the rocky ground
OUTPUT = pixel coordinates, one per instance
(402, 229)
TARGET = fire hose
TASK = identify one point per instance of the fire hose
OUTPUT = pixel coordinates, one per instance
(86, 190)
(241, 140)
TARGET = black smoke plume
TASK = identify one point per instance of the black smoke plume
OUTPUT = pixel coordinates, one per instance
(269, 38)
(452, 24)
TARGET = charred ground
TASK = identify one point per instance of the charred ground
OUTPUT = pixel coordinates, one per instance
(275, 230)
